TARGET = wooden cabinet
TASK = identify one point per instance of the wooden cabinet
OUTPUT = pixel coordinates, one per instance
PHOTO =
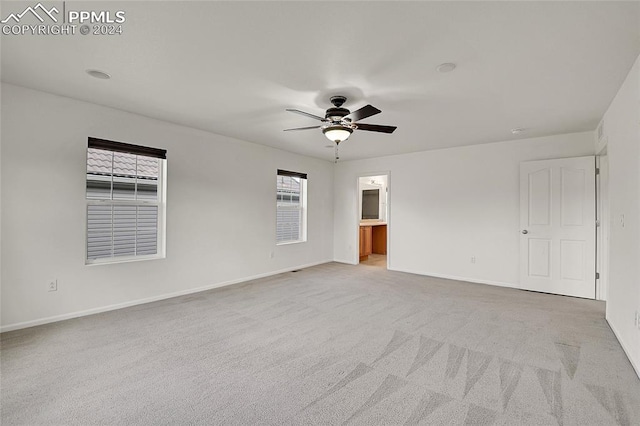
(365, 242)
(373, 239)
(379, 239)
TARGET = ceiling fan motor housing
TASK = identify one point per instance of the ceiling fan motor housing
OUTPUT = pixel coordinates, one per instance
(336, 114)
(337, 101)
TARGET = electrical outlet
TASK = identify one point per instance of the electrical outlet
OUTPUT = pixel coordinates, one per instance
(473, 259)
(53, 285)
(638, 319)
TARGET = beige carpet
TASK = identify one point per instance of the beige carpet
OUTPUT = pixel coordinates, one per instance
(332, 344)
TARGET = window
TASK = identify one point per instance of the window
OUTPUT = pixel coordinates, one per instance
(125, 202)
(291, 201)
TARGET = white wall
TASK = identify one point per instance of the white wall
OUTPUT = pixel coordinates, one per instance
(465, 203)
(220, 213)
(622, 140)
(0, 210)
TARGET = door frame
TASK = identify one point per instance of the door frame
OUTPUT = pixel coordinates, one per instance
(356, 192)
(603, 228)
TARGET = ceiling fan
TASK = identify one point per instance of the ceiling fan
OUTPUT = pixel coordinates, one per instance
(338, 123)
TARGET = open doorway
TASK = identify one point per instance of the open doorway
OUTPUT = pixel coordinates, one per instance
(373, 220)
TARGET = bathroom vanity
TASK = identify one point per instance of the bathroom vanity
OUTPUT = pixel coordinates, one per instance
(373, 238)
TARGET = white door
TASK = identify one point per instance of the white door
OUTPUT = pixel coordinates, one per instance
(558, 226)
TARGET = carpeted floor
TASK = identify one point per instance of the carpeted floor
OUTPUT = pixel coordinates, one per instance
(332, 344)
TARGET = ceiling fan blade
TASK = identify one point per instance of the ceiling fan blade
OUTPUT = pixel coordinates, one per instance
(302, 128)
(375, 128)
(364, 112)
(297, 111)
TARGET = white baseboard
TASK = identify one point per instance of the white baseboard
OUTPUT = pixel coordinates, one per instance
(345, 261)
(62, 317)
(452, 277)
(624, 348)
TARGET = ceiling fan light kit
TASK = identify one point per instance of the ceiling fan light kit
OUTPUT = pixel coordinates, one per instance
(337, 134)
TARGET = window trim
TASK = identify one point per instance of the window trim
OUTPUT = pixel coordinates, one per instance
(127, 148)
(291, 174)
(161, 203)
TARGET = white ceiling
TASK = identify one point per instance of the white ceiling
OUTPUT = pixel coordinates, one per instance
(233, 67)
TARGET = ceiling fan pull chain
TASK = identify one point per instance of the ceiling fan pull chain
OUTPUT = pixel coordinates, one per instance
(337, 157)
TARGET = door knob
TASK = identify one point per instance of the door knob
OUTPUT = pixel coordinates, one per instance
(524, 231)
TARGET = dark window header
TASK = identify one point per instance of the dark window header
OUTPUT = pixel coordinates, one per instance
(292, 174)
(127, 148)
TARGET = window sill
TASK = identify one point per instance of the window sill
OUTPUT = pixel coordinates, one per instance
(288, 243)
(123, 259)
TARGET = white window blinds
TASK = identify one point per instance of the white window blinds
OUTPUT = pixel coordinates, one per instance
(124, 202)
(291, 208)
